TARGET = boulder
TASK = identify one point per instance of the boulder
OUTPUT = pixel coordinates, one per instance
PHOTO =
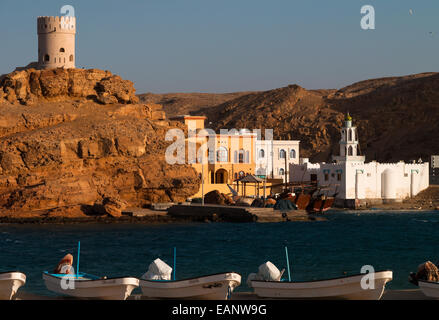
(216, 197)
(114, 206)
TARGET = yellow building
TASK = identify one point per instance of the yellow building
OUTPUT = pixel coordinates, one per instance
(220, 158)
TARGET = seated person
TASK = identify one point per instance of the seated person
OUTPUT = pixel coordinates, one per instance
(65, 265)
(426, 271)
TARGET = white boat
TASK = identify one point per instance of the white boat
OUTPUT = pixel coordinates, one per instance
(348, 288)
(429, 288)
(10, 282)
(89, 286)
(212, 287)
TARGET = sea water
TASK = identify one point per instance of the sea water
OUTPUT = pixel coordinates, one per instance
(397, 241)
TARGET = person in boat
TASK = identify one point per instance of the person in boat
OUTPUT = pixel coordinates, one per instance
(65, 265)
(426, 271)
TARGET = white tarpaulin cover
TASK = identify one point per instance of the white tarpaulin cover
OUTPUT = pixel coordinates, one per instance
(158, 270)
(266, 272)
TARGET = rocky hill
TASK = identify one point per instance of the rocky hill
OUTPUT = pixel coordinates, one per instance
(75, 142)
(175, 104)
(396, 117)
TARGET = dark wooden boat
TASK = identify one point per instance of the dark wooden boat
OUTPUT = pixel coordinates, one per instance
(320, 205)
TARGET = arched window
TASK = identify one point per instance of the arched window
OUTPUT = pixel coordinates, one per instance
(210, 156)
(46, 58)
(71, 58)
(222, 155)
(281, 171)
(62, 50)
(350, 151)
(353, 135)
(349, 135)
(261, 153)
(293, 154)
(282, 154)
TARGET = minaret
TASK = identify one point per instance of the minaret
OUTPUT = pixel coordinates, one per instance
(349, 142)
(56, 42)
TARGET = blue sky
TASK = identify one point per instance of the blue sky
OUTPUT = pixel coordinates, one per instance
(234, 45)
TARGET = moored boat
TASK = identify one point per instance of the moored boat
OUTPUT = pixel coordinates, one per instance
(429, 288)
(211, 287)
(88, 286)
(347, 288)
(10, 282)
(320, 205)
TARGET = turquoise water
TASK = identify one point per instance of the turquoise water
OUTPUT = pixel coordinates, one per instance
(318, 250)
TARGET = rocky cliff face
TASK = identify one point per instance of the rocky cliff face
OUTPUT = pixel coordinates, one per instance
(32, 86)
(73, 140)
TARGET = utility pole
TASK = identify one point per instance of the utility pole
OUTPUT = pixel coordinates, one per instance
(286, 172)
(202, 181)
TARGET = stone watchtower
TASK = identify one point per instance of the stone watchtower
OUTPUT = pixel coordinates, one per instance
(56, 42)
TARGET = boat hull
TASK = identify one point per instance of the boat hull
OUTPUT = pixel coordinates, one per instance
(346, 288)
(212, 287)
(102, 289)
(320, 205)
(10, 282)
(302, 201)
(429, 289)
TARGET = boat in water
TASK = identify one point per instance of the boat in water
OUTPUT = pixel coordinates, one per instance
(65, 281)
(211, 287)
(86, 286)
(429, 288)
(344, 288)
(10, 282)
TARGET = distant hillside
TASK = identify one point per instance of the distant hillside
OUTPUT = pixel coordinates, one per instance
(397, 117)
(175, 104)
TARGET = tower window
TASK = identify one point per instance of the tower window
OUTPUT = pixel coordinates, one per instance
(71, 58)
(46, 58)
(350, 151)
(62, 50)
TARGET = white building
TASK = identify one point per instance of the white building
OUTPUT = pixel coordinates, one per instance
(271, 156)
(356, 182)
